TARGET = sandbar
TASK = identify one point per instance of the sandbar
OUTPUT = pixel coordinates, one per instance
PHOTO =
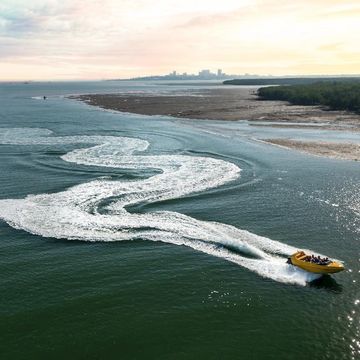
(344, 151)
(230, 104)
(240, 103)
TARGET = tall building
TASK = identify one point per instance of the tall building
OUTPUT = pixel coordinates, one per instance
(204, 73)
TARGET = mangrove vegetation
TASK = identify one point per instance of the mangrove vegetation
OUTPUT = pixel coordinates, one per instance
(335, 95)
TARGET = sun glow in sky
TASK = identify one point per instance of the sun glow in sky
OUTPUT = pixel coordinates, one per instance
(93, 39)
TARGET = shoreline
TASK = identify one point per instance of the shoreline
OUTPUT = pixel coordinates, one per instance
(240, 104)
(339, 151)
(222, 104)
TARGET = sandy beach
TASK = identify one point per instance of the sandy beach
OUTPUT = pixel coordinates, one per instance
(241, 103)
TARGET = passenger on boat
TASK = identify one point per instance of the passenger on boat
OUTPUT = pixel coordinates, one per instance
(325, 261)
(317, 260)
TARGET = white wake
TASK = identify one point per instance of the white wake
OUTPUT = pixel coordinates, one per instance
(74, 213)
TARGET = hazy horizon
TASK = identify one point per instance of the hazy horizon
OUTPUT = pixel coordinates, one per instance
(49, 40)
(200, 80)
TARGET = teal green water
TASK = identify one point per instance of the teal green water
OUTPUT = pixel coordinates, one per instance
(85, 278)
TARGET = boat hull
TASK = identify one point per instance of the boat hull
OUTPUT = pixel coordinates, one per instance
(332, 268)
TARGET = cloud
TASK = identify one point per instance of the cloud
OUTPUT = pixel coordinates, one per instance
(125, 37)
(20, 19)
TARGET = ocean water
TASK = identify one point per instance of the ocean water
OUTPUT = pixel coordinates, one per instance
(135, 237)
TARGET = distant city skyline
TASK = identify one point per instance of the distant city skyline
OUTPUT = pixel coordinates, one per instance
(70, 39)
(219, 74)
(204, 74)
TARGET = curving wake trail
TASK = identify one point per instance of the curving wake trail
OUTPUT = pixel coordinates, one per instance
(74, 213)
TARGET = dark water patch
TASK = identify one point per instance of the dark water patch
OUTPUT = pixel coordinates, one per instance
(327, 283)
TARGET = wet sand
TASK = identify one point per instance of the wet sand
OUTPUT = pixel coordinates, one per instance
(345, 151)
(239, 103)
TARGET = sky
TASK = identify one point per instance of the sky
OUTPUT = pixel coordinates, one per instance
(93, 39)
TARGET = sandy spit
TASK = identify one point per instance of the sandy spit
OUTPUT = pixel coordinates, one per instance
(344, 151)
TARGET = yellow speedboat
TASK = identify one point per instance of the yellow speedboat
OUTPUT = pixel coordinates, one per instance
(302, 260)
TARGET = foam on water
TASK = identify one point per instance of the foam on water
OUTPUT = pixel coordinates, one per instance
(75, 213)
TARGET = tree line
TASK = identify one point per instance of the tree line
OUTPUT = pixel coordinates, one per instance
(288, 80)
(335, 95)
